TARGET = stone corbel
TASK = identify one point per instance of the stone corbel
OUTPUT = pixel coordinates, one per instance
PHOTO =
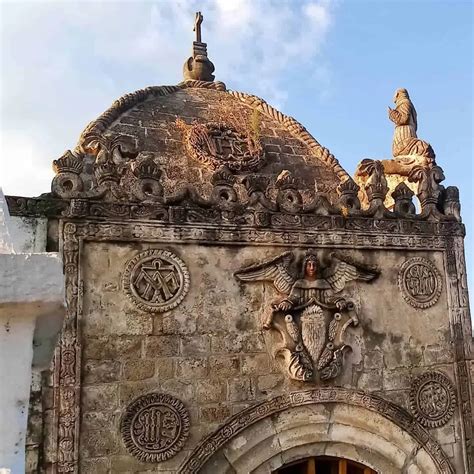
(289, 198)
(429, 191)
(224, 195)
(349, 201)
(146, 186)
(403, 195)
(256, 187)
(68, 183)
(451, 204)
(376, 188)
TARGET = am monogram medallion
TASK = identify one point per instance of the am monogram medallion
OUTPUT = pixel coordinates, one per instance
(156, 280)
(155, 427)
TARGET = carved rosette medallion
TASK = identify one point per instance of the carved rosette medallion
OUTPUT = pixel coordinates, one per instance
(156, 280)
(420, 282)
(218, 144)
(155, 427)
(432, 399)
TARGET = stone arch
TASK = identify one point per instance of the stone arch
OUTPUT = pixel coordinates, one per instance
(327, 421)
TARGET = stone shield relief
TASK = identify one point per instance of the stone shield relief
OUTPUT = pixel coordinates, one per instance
(420, 282)
(156, 280)
(312, 313)
(155, 427)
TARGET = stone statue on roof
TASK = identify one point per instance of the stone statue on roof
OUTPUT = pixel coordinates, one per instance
(405, 140)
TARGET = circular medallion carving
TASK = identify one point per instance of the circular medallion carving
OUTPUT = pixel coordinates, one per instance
(420, 282)
(217, 144)
(156, 280)
(432, 399)
(155, 427)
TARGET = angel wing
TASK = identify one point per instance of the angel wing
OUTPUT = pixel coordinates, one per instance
(341, 271)
(275, 270)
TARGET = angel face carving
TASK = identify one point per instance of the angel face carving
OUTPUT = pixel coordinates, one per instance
(311, 315)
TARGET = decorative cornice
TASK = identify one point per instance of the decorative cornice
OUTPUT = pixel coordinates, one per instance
(188, 207)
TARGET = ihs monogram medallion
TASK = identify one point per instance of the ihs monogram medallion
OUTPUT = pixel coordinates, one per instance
(312, 315)
(420, 282)
(219, 144)
(156, 280)
(432, 399)
(155, 427)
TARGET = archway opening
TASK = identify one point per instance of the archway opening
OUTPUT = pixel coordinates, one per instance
(324, 465)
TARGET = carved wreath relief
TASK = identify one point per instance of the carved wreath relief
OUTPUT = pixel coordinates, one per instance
(218, 144)
(432, 399)
(420, 282)
(156, 280)
(155, 427)
(312, 316)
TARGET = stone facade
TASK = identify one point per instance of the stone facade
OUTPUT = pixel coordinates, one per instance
(169, 360)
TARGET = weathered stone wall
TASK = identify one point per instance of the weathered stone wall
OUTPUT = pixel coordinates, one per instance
(151, 126)
(114, 201)
(210, 352)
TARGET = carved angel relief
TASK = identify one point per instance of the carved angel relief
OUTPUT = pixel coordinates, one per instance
(312, 315)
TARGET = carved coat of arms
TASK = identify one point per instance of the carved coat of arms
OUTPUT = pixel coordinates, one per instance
(312, 313)
(219, 144)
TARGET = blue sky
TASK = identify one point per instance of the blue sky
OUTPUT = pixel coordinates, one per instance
(333, 65)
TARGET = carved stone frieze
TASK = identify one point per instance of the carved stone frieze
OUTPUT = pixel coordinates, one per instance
(219, 144)
(156, 280)
(432, 399)
(239, 422)
(155, 427)
(311, 315)
(420, 282)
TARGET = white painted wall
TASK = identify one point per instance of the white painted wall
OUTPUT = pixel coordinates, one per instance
(31, 315)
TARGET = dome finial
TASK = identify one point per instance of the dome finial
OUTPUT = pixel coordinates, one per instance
(198, 67)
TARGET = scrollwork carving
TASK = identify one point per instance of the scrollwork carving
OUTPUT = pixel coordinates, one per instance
(402, 195)
(68, 182)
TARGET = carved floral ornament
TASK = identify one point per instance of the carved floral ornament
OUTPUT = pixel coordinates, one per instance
(312, 315)
(420, 282)
(432, 399)
(156, 280)
(219, 144)
(155, 427)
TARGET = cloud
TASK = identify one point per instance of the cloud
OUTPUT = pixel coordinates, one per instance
(64, 63)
